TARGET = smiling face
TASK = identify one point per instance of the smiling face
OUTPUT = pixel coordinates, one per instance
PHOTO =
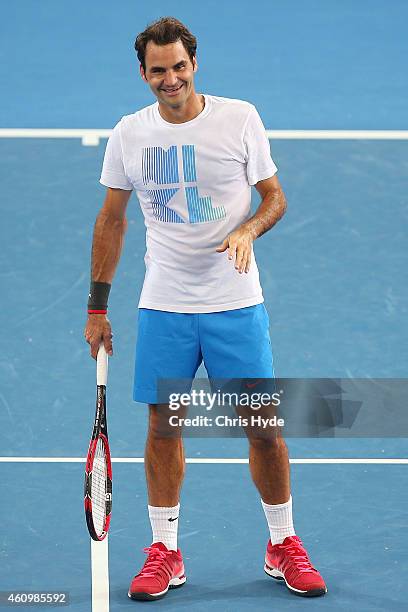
(170, 74)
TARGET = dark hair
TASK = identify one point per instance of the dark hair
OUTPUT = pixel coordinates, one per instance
(163, 32)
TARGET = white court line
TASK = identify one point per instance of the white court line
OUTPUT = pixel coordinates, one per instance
(221, 460)
(338, 134)
(91, 137)
(100, 575)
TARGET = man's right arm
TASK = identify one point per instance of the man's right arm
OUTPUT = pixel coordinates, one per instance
(108, 237)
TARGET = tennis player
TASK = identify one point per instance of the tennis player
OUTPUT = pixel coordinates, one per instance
(191, 159)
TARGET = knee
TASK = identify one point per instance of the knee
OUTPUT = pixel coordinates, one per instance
(269, 444)
(159, 427)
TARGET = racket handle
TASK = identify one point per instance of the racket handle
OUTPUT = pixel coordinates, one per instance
(102, 366)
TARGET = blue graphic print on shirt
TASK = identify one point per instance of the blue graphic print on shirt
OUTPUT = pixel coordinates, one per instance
(160, 168)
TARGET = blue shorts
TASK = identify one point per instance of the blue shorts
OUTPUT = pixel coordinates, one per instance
(232, 344)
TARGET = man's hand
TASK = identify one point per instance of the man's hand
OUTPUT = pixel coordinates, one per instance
(97, 330)
(270, 210)
(239, 245)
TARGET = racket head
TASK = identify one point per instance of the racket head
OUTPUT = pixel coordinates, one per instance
(98, 488)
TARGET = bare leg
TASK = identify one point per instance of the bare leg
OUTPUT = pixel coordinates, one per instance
(268, 457)
(269, 466)
(164, 461)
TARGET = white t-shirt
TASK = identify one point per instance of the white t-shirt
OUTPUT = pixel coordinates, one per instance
(193, 183)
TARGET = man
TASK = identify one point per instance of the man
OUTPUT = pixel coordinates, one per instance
(192, 159)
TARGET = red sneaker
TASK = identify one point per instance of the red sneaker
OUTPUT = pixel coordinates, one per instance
(163, 570)
(289, 562)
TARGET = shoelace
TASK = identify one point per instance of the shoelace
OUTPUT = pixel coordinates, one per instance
(154, 560)
(298, 555)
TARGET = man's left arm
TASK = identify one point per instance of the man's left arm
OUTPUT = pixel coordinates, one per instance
(271, 209)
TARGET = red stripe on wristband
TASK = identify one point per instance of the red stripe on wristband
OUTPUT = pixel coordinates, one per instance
(97, 311)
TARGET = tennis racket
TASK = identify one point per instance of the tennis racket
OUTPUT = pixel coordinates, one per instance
(98, 470)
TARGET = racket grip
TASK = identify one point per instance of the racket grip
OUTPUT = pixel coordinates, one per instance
(102, 366)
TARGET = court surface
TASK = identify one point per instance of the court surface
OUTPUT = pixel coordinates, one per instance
(334, 279)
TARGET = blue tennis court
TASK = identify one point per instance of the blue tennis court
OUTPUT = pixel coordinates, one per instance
(333, 274)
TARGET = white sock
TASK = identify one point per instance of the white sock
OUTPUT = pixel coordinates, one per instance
(164, 522)
(280, 521)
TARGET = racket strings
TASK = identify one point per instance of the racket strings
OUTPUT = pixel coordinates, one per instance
(98, 488)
